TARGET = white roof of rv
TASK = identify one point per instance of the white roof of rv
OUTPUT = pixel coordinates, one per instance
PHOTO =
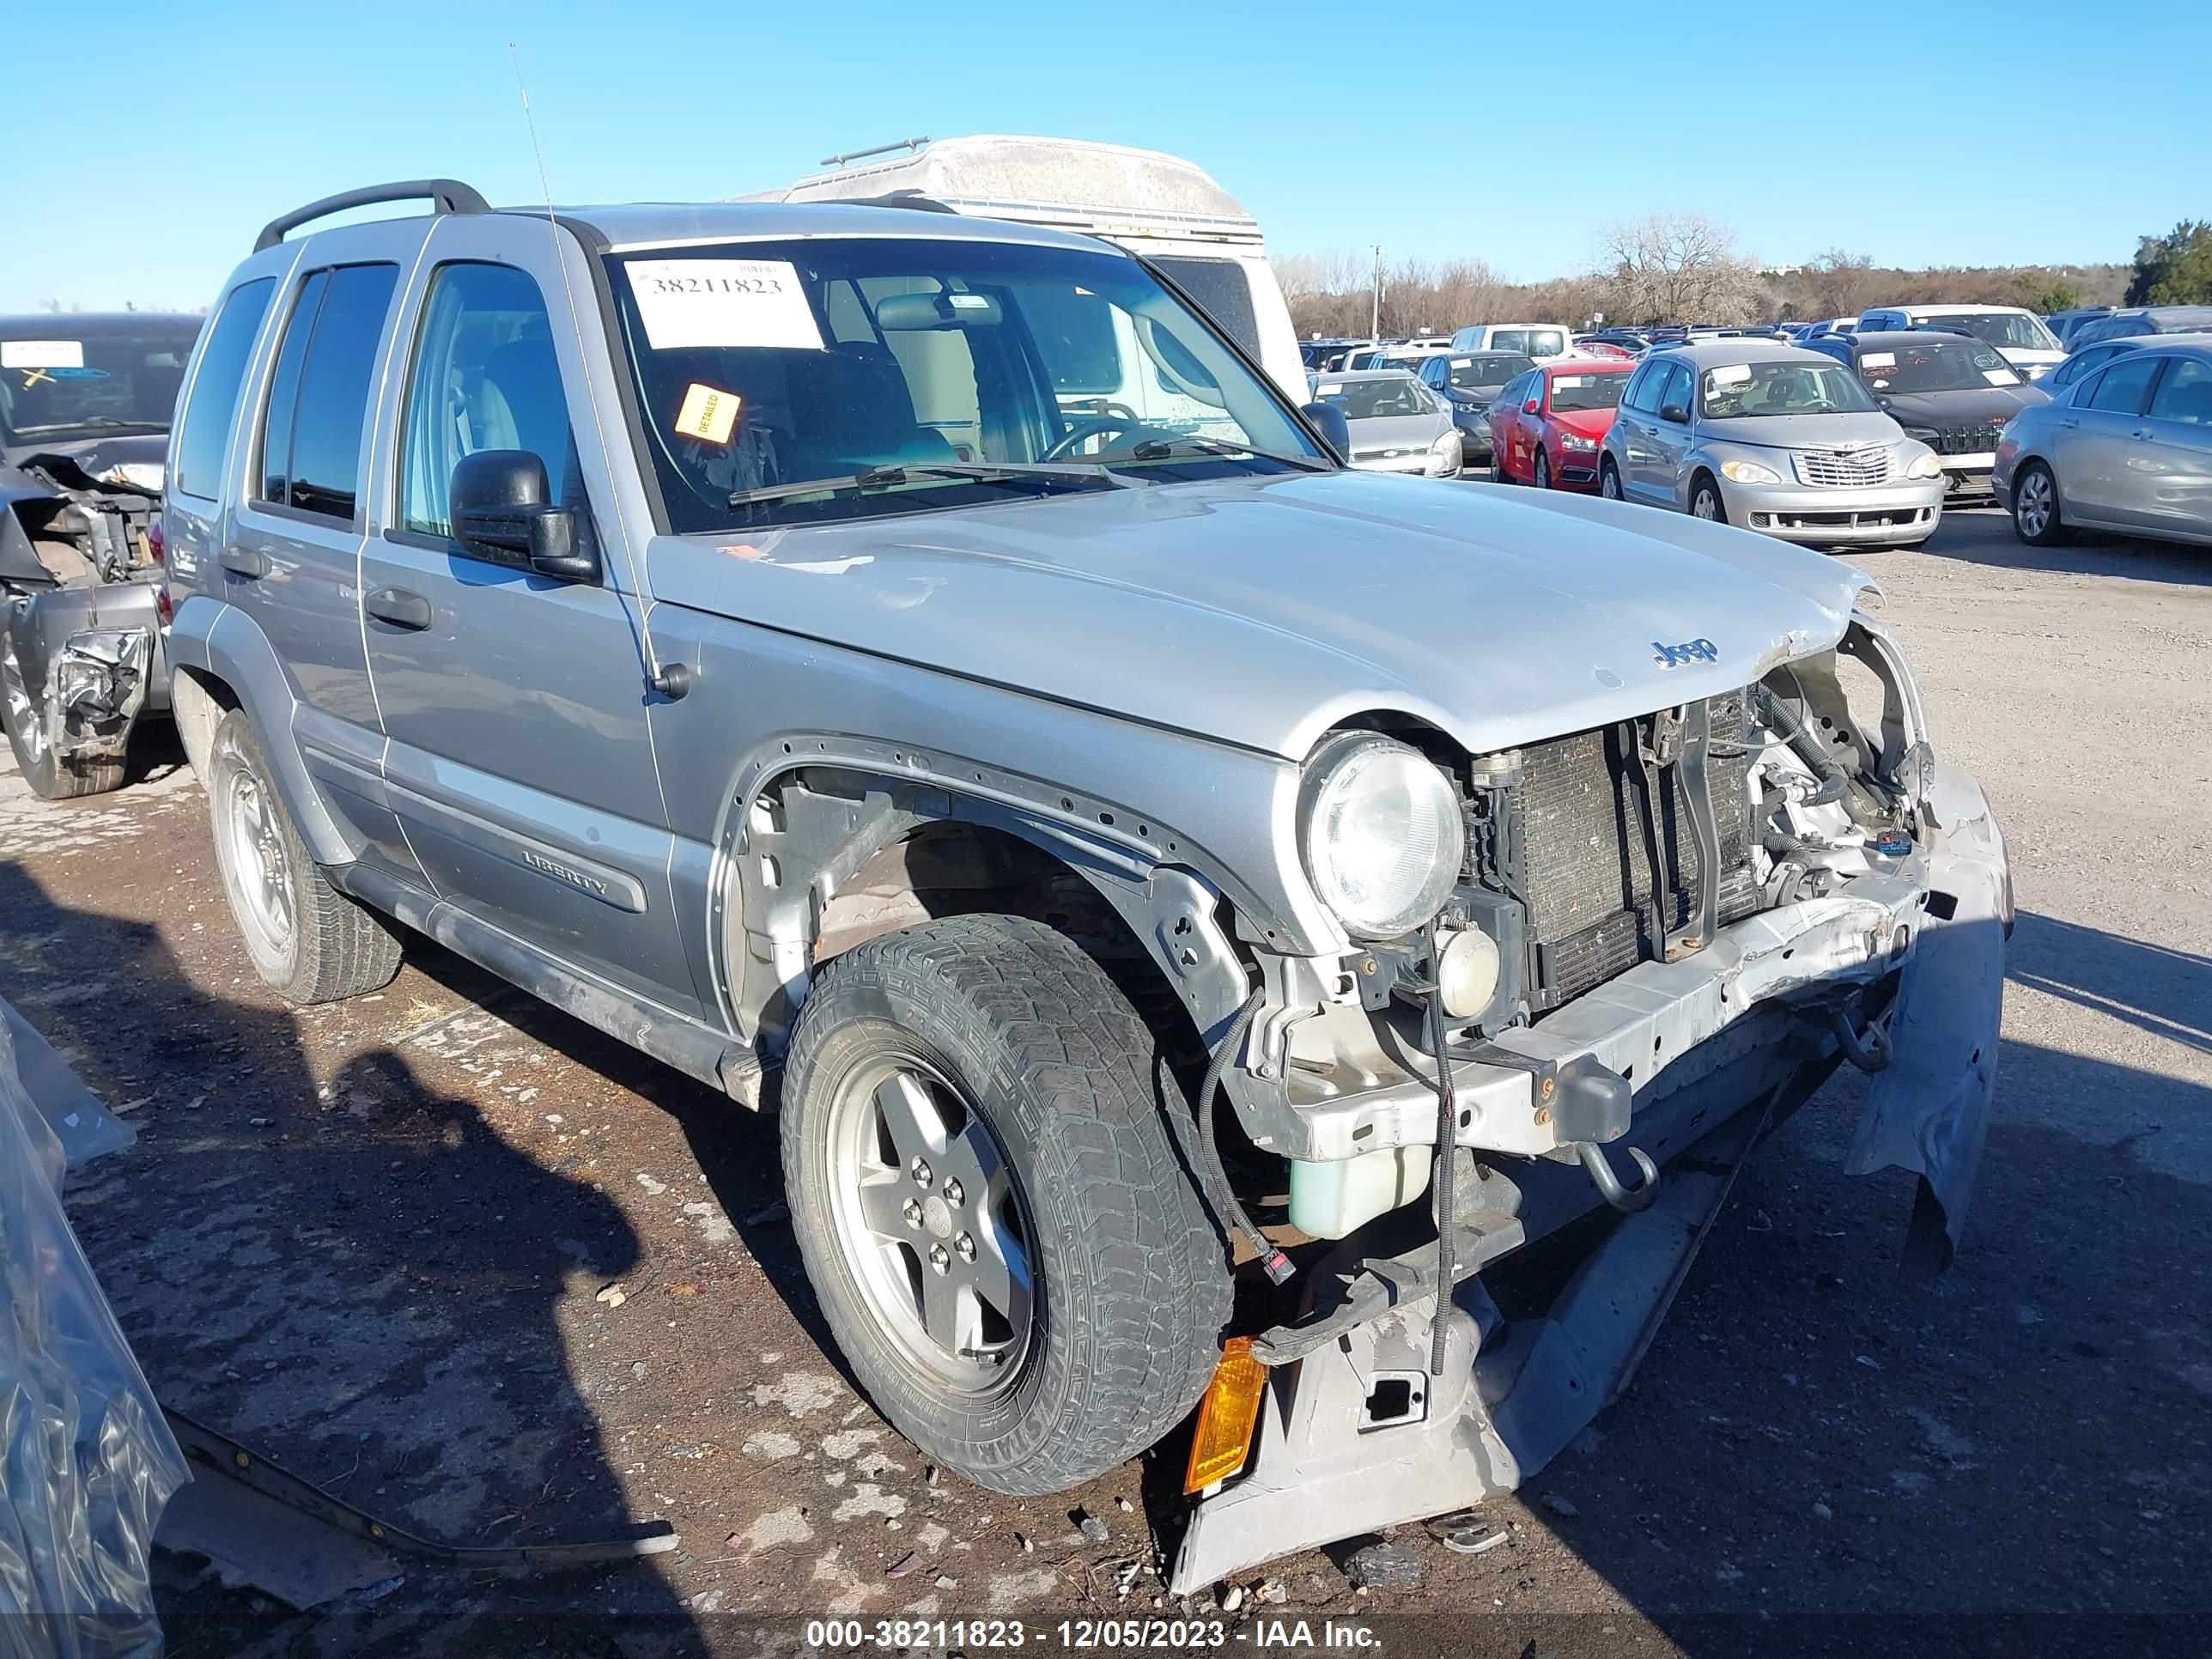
(1100, 188)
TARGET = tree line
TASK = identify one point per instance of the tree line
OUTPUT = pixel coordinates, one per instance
(1687, 268)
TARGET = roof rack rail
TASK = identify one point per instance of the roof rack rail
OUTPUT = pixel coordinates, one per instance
(913, 200)
(450, 195)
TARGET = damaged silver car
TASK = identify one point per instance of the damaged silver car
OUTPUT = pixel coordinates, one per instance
(918, 673)
(85, 404)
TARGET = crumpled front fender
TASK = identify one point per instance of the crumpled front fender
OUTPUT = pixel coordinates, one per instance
(1929, 1110)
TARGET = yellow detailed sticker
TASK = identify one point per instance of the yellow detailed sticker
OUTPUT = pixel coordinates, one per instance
(708, 413)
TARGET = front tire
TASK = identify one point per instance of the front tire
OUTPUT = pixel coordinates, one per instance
(992, 1214)
(51, 777)
(2035, 518)
(1543, 470)
(1705, 501)
(307, 940)
(1608, 481)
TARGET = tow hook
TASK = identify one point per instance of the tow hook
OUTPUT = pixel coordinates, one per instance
(1627, 1200)
(1868, 1050)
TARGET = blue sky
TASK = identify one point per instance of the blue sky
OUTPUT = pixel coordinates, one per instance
(147, 151)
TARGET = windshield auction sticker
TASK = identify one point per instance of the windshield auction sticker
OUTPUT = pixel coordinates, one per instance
(694, 303)
(41, 354)
(709, 413)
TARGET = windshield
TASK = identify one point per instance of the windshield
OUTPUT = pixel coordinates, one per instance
(861, 363)
(1733, 391)
(1945, 365)
(1487, 373)
(2015, 329)
(63, 389)
(1570, 392)
(1374, 400)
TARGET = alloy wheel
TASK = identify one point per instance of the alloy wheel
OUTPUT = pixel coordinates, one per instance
(932, 1223)
(2034, 506)
(257, 850)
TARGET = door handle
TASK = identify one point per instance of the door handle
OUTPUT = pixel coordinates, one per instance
(250, 562)
(398, 607)
(2139, 433)
(2076, 423)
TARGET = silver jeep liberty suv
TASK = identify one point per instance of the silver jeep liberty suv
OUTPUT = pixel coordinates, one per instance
(916, 673)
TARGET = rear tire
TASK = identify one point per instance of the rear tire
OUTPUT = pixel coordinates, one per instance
(2035, 518)
(50, 776)
(307, 939)
(1013, 1063)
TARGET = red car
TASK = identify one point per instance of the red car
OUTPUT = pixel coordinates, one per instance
(1545, 427)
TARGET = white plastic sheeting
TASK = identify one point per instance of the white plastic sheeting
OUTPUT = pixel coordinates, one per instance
(86, 1462)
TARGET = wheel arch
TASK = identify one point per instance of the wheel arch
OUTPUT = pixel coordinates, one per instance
(219, 661)
(819, 854)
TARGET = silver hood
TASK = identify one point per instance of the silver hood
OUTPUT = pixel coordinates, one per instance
(1838, 431)
(1263, 612)
(1399, 431)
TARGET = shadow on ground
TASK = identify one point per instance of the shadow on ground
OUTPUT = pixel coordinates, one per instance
(2088, 553)
(307, 1265)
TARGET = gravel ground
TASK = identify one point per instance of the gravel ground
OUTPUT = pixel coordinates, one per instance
(376, 1240)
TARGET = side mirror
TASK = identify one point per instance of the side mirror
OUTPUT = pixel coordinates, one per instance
(1676, 413)
(1335, 431)
(1532, 406)
(498, 505)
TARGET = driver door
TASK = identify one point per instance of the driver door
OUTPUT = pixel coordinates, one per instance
(519, 759)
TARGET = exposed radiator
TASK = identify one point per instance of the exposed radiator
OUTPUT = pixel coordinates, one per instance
(1587, 870)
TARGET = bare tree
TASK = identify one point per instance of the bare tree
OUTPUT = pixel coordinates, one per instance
(1839, 284)
(1678, 267)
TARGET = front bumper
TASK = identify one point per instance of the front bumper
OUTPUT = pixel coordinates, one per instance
(1415, 462)
(1876, 516)
(1360, 1431)
(95, 658)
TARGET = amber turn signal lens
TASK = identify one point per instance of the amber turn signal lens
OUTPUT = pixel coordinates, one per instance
(1226, 1417)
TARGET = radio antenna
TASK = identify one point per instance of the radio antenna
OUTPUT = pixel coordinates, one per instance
(637, 605)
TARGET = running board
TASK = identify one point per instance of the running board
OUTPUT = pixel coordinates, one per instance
(1508, 1400)
(690, 1046)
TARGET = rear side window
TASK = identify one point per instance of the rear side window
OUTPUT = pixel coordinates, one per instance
(1547, 342)
(2123, 386)
(205, 428)
(313, 435)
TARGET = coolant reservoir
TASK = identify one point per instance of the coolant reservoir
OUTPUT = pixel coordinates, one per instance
(1329, 1200)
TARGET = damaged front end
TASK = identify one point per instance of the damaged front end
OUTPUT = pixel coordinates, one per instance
(80, 636)
(1666, 934)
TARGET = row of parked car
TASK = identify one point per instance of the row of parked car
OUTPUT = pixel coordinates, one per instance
(1844, 432)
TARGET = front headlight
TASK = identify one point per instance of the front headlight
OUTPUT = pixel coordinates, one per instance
(1925, 466)
(1444, 454)
(1576, 442)
(1749, 472)
(1380, 833)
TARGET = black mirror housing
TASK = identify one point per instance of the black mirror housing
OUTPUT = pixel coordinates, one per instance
(498, 506)
(1335, 431)
(1676, 413)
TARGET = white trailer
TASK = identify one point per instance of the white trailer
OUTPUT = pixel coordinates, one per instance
(1165, 208)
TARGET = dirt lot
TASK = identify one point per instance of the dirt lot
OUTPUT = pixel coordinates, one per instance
(372, 1240)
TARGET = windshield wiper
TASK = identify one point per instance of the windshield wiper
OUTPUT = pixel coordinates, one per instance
(1161, 449)
(992, 473)
(93, 423)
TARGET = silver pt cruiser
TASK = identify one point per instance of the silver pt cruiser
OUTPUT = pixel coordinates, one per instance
(1772, 437)
(1079, 815)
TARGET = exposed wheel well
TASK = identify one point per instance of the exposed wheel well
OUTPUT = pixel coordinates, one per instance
(197, 702)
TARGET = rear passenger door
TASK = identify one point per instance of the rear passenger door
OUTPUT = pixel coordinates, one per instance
(520, 760)
(289, 557)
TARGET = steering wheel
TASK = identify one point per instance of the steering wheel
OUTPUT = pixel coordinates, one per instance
(1098, 427)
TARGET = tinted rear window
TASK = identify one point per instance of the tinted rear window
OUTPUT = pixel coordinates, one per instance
(205, 429)
(1221, 290)
(319, 403)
